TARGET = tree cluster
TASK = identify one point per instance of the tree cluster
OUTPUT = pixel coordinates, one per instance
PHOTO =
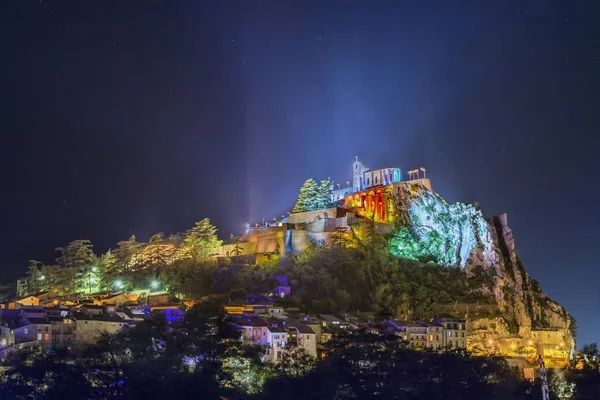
(313, 196)
(366, 276)
(131, 265)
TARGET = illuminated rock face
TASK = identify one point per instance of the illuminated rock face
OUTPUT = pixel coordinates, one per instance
(460, 235)
(461, 230)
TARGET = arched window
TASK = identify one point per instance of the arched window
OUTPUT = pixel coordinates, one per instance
(227, 254)
(368, 181)
(376, 180)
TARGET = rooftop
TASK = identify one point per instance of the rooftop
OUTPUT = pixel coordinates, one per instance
(448, 318)
(250, 321)
(304, 329)
(277, 328)
(104, 318)
(329, 318)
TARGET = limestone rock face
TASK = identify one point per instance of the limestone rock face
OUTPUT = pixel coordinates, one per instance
(460, 235)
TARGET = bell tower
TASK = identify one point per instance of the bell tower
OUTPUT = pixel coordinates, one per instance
(358, 169)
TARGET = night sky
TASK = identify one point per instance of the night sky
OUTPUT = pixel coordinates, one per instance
(137, 117)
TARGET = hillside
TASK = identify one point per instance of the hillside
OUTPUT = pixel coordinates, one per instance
(460, 235)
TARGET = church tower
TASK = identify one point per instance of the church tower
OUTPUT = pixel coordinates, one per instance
(358, 170)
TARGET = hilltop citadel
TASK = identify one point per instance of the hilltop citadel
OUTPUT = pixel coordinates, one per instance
(370, 196)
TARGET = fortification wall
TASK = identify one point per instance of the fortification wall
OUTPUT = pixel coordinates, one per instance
(310, 216)
(254, 233)
(302, 239)
(228, 250)
(275, 241)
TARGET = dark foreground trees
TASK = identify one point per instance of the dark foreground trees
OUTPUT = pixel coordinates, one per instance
(203, 358)
(359, 365)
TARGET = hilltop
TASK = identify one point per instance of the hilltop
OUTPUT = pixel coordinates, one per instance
(379, 244)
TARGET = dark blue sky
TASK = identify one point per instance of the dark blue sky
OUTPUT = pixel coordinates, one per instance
(135, 117)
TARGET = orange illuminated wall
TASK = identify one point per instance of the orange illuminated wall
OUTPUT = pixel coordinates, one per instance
(374, 203)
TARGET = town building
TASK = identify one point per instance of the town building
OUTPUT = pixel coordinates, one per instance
(89, 327)
(306, 338)
(63, 332)
(329, 321)
(277, 340)
(455, 330)
(19, 329)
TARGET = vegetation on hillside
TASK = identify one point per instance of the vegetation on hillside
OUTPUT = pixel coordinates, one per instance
(131, 265)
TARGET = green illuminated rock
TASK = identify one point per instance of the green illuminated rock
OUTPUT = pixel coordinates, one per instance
(460, 235)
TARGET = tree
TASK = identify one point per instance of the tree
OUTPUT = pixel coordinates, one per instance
(587, 379)
(308, 197)
(324, 195)
(188, 278)
(109, 269)
(126, 254)
(34, 281)
(294, 363)
(202, 240)
(237, 249)
(31, 374)
(78, 254)
(79, 257)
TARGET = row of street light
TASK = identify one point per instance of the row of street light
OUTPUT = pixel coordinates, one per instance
(118, 284)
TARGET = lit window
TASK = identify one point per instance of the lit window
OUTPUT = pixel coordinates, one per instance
(46, 337)
(449, 334)
(26, 331)
(39, 336)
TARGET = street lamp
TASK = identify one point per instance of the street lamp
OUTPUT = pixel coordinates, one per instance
(154, 284)
(424, 172)
(119, 284)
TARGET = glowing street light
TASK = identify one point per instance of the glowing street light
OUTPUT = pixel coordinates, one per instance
(154, 284)
(119, 284)
(424, 175)
(42, 277)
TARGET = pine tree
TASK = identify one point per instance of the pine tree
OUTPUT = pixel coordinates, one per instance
(324, 195)
(308, 197)
(202, 239)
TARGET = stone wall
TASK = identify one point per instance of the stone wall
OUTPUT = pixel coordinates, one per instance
(311, 216)
(228, 250)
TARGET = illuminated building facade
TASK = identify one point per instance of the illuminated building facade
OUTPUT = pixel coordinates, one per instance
(364, 178)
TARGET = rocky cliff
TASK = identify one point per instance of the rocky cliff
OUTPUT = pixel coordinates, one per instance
(460, 235)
